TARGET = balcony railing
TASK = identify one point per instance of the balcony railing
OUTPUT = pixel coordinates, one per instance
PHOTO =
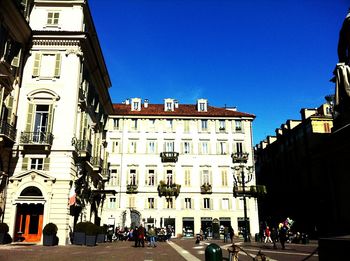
(36, 138)
(169, 156)
(131, 189)
(105, 174)
(249, 191)
(83, 147)
(168, 190)
(7, 130)
(206, 189)
(96, 162)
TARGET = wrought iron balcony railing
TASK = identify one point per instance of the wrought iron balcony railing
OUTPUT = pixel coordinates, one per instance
(168, 190)
(206, 189)
(96, 162)
(36, 138)
(169, 156)
(131, 189)
(249, 191)
(83, 147)
(105, 174)
(7, 130)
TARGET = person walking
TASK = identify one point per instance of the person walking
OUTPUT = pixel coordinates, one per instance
(268, 235)
(152, 237)
(274, 237)
(231, 233)
(226, 234)
(135, 234)
(283, 235)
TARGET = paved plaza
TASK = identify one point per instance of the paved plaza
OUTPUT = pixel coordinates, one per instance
(174, 250)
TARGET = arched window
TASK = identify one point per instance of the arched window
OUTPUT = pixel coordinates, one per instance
(31, 191)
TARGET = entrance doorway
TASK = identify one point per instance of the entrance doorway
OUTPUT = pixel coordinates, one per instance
(29, 222)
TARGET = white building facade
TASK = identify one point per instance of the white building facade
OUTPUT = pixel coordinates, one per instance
(183, 148)
(59, 156)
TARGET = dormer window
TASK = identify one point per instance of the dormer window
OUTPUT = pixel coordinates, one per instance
(169, 104)
(52, 18)
(136, 104)
(202, 105)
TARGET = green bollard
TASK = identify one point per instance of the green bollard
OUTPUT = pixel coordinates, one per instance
(213, 253)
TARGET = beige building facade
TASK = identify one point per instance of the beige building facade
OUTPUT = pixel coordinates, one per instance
(183, 146)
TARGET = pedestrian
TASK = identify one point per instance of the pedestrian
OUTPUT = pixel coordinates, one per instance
(141, 236)
(135, 234)
(274, 237)
(231, 233)
(283, 235)
(267, 235)
(226, 234)
(152, 237)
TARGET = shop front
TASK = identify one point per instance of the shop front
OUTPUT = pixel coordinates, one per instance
(188, 226)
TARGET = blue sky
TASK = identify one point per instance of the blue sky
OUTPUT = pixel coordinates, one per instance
(268, 58)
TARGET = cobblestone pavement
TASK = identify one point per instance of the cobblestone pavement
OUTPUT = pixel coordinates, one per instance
(175, 250)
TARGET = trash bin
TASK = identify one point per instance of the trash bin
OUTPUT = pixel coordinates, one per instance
(213, 253)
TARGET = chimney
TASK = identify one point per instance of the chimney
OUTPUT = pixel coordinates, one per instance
(176, 103)
(145, 103)
(127, 101)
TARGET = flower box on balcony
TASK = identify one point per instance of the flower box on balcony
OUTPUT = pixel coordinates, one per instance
(168, 190)
(206, 189)
(130, 189)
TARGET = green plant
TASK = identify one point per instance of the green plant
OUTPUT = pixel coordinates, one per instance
(91, 229)
(81, 227)
(50, 229)
(4, 228)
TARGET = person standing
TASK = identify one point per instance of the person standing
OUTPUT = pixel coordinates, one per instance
(141, 236)
(226, 234)
(267, 235)
(283, 235)
(135, 234)
(231, 233)
(274, 237)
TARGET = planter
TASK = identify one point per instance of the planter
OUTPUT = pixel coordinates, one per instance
(101, 238)
(79, 238)
(90, 240)
(49, 240)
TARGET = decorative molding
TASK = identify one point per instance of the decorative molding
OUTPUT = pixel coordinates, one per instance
(77, 51)
(55, 42)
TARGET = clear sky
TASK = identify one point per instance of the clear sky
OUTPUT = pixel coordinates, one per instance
(269, 58)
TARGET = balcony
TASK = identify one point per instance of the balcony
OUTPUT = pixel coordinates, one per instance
(36, 139)
(131, 189)
(96, 163)
(249, 191)
(105, 174)
(206, 189)
(169, 156)
(168, 190)
(83, 148)
(7, 132)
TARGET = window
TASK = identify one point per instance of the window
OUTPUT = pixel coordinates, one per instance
(238, 125)
(115, 147)
(239, 147)
(222, 148)
(169, 124)
(187, 177)
(188, 203)
(132, 177)
(224, 203)
(204, 125)
(186, 147)
(151, 177)
(204, 147)
(37, 163)
(327, 129)
(222, 125)
(169, 106)
(113, 180)
(131, 202)
(52, 18)
(134, 124)
(111, 203)
(169, 203)
(151, 146)
(169, 146)
(224, 181)
(136, 105)
(115, 124)
(206, 203)
(202, 106)
(169, 177)
(47, 65)
(150, 202)
(132, 146)
(205, 177)
(186, 126)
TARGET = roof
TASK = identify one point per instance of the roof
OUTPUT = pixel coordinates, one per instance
(182, 110)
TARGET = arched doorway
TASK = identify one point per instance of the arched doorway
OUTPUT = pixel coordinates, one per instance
(29, 216)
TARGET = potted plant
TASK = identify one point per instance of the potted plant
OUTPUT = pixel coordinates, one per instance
(101, 235)
(79, 235)
(91, 234)
(49, 232)
(5, 238)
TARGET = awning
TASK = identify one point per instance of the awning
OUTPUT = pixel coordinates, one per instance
(188, 219)
(29, 200)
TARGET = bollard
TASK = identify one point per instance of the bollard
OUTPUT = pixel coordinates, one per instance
(213, 253)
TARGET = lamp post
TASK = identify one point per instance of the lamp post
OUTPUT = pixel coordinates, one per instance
(241, 158)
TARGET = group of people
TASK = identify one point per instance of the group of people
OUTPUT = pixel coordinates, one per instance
(228, 233)
(273, 235)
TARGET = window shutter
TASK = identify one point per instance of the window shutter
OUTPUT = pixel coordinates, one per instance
(137, 177)
(30, 115)
(201, 178)
(58, 65)
(46, 164)
(16, 59)
(9, 106)
(36, 66)
(25, 163)
(50, 119)
(200, 148)
(211, 203)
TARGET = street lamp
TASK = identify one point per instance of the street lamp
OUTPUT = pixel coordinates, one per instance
(240, 178)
